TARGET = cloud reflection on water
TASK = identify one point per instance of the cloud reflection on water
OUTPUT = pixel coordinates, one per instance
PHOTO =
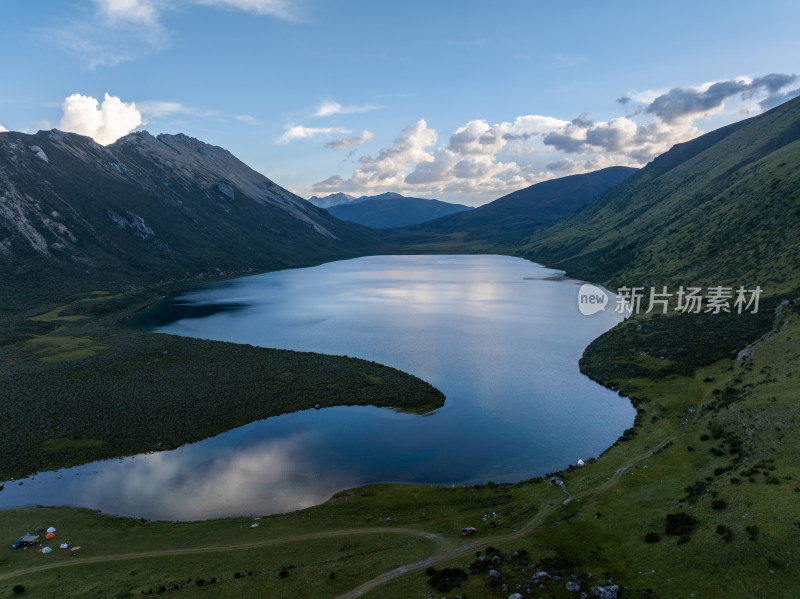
(264, 478)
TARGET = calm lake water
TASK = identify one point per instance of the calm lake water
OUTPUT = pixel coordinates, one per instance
(500, 336)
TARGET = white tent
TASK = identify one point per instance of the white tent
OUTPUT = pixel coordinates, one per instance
(581, 463)
(46, 549)
(51, 529)
(63, 546)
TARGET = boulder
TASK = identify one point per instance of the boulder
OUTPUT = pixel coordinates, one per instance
(494, 574)
(516, 596)
(606, 592)
(573, 587)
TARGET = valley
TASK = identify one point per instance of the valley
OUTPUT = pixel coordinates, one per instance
(699, 497)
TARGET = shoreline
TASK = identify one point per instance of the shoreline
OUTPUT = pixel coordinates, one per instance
(123, 322)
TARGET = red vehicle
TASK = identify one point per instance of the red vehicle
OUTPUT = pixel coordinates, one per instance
(470, 530)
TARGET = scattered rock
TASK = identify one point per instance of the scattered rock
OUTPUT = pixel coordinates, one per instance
(516, 596)
(606, 592)
(494, 574)
(573, 587)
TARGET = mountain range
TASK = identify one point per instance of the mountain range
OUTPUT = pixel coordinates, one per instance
(501, 224)
(388, 211)
(146, 209)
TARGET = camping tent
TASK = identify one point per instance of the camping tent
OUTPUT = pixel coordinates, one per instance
(50, 535)
(45, 550)
(51, 529)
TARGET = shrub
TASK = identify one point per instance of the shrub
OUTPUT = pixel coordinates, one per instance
(724, 532)
(445, 579)
(652, 537)
(679, 524)
(18, 589)
(719, 504)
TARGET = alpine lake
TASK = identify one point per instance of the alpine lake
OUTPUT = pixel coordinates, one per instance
(499, 336)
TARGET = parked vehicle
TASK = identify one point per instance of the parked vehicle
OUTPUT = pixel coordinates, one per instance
(470, 530)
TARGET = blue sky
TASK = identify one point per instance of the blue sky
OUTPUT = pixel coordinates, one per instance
(462, 101)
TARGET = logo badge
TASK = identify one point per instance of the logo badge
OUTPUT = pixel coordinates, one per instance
(591, 299)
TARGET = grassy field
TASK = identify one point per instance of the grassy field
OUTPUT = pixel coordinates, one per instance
(700, 498)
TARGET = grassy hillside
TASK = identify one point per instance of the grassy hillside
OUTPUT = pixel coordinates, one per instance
(723, 209)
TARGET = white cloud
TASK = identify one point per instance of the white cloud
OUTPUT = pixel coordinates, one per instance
(148, 12)
(481, 159)
(301, 132)
(621, 137)
(122, 30)
(329, 108)
(388, 169)
(157, 109)
(133, 11)
(246, 118)
(468, 164)
(105, 123)
(281, 9)
(348, 142)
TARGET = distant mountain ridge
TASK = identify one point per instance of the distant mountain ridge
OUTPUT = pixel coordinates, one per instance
(147, 208)
(337, 199)
(514, 217)
(333, 199)
(391, 210)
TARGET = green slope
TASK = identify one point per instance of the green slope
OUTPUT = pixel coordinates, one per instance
(720, 210)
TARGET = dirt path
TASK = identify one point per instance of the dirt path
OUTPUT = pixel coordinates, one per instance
(79, 561)
(530, 526)
(445, 551)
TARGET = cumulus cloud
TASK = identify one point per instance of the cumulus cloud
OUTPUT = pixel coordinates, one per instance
(349, 142)
(778, 99)
(388, 169)
(680, 103)
(478, 137)
(301, 132)
(467, 164)
(489, 160)
(621, 136)
(105, 123)
(329, 108)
